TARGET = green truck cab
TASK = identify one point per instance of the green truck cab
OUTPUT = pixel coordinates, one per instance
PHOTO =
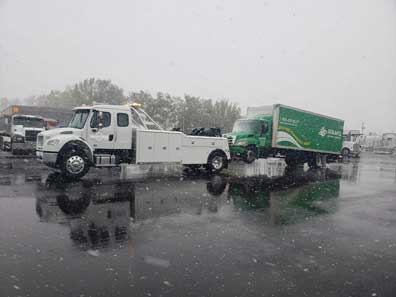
(298, 135)
(250, 136)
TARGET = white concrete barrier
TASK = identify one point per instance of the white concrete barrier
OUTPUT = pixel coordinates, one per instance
(270, 167)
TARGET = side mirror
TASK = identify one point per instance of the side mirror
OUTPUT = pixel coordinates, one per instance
(100, 119)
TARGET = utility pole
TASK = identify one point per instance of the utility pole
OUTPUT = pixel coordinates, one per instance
(363, 128)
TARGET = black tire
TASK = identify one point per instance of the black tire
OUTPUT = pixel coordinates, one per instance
(345, 153)
(73, 206)
(251, 154)
(15, 152)
(291, 161)
(74, 164)
(217, 161)
(313, 161)
(216, 185)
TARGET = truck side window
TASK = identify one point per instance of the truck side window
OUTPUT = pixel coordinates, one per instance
(122, 120)
(105, 120)
(264, 128)
(94, 120)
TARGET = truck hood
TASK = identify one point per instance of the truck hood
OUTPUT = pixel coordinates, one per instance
(61, 131)
(19, 129)
(239, 135)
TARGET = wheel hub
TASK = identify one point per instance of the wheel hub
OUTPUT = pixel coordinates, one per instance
(217, 162)
(75, 164)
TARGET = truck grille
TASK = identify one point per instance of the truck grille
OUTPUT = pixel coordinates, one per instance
(31, 135)
(230, 140)
(40, 140)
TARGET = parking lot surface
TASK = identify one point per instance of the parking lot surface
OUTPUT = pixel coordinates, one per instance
(303, 233)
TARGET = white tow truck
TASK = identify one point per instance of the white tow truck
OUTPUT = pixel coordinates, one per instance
(109, 135)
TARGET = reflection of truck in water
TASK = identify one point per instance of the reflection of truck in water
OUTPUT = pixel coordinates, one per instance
(109, 135)
(99, 212)
(290, 199)
(301, 136)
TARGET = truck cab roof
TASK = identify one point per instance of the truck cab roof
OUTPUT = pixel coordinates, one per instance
(27, 116)
(105, 106)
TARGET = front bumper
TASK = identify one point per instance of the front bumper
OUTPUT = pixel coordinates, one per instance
(48, 158)
(24, 146)
(237, 150)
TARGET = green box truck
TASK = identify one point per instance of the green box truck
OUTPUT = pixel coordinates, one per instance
(278, 130)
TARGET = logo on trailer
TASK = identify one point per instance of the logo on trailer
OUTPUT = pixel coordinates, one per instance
(323, 132)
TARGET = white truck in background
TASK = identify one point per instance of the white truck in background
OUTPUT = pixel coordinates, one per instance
(109, 135)
(18, 132)
(351, 146)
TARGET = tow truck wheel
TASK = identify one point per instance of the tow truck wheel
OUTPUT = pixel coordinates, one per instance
(217, 162)
(74, 164)
(251, 154)
(14, 151)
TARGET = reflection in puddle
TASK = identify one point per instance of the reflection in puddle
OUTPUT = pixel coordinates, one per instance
(100, 214)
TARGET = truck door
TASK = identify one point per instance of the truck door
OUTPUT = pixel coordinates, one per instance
(263, 138)
(101, 130)
(123, 136)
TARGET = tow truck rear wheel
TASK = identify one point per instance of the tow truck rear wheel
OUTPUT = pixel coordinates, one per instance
(15, 152)
(250, 154)
(217, 162)
(74, 164)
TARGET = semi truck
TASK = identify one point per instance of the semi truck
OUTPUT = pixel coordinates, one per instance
(108, 135)
(18, 133)
(279, 130)
(351, 145)
(20, 124)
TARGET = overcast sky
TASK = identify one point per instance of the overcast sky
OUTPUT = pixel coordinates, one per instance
(335, 57)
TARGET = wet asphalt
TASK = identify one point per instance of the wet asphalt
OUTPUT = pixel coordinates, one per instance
(305, 233)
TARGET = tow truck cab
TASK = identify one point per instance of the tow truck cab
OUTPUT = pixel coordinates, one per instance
(108, 135)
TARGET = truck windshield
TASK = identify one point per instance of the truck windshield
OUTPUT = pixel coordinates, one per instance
(29, 122)
(79, 119)
(250, 126)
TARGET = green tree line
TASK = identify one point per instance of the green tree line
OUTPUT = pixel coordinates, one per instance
(185, 112)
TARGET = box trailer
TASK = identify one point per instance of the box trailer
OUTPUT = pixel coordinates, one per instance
(298, 135)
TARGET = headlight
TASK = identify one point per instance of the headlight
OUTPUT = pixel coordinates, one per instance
(53, 142)
(241, 142)
(18, 138)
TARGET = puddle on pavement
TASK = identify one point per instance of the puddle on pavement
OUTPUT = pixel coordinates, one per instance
(102, 213)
